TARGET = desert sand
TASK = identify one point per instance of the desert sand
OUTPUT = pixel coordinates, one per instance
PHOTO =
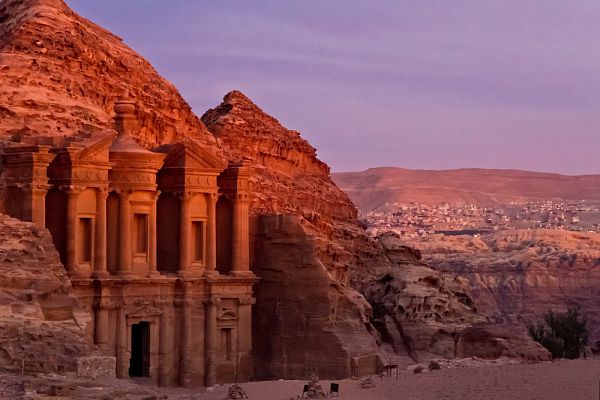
(559, 380)
(479, 380)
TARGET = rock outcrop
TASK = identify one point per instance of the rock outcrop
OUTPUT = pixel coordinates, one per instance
(60, 75)
(289, 178)
(42, 327)
(517, 276)
(421, 309)
(306, 245)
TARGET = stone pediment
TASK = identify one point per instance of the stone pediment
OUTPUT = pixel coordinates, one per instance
(143, 312)
(90, 150)
(190, 155)
(97, 151)
(227, 315)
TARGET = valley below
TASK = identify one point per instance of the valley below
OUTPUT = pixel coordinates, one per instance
(523, 243)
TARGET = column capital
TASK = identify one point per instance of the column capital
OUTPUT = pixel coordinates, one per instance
(102, 191)
(155, 195)
(72, 190)
(246, 301)
(213, 197)
(34, 187)
(212, 301)
(123, 192)
(185, 196)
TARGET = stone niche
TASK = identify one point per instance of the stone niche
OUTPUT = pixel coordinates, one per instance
(155, 243)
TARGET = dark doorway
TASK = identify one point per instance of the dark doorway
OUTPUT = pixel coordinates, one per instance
(139, 365)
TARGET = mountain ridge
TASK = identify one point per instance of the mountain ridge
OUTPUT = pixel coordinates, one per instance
(374, 187)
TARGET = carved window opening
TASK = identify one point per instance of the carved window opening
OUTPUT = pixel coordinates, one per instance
(225, 343)
(198, 240)
(85, 240)
(140, 232)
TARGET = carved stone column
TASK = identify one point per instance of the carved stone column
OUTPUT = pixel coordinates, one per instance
(71, 228)
(211, 235)
(165, 349)
(185, 199)
(101, 327)
(244, 336)
(210, 342)
(100, 270)
(125, 254)
(121, 344)
(185, 364)
(244, 342)
(38, 204)
(153, 268)
(240, 263)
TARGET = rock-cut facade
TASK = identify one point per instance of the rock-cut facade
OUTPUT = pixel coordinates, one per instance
(155, 243)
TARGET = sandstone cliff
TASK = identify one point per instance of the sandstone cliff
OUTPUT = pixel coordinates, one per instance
(516, 276)
(42, 327)
(422, 309)
(306, 236)
(60, 75)
(289, 178)
(307, 243)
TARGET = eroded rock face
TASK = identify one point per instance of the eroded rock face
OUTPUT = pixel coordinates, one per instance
(421, 309)
(305, 319)
(516, 276)
(60, 75)
(306, 242)
(41, 322)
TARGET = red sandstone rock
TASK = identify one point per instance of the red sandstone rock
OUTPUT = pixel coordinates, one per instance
(421, 309)
(516, 276)
(42, 327)
(306, 235)
(60, 75)
(59, 78)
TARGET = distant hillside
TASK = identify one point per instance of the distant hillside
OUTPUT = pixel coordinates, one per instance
(374, 187)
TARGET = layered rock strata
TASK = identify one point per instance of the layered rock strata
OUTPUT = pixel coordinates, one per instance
(306, 244)
(421, 309)
(517, 276)
(60, 75)
(42, 326)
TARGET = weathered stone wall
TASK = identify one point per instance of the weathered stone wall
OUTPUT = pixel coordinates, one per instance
(305, 320)
(307, 245)
(42, 326)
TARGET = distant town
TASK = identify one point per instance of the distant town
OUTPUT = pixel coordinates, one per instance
(415, 220)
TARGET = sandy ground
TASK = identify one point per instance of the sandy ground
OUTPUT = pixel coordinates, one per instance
(558, 380)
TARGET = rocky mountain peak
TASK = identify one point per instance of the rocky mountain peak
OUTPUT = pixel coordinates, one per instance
(61, 75)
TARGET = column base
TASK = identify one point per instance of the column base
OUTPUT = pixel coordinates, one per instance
(126, 274)
(153, 274)
(190, 273)
(242, 274)
(211, 273)
(100, 275)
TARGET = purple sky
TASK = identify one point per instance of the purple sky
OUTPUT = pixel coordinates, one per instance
(416, 84)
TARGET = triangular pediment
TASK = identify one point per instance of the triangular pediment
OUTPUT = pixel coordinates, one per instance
(227, 315)
(97, 150)
(190, 155)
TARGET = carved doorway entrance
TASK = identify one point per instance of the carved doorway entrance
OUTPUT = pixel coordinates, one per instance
(139, 364)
